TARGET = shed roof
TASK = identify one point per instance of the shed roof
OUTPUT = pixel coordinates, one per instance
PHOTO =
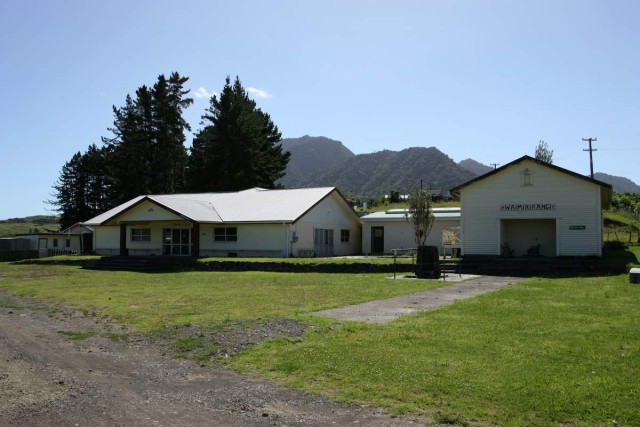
(255, 205)
(399, 214)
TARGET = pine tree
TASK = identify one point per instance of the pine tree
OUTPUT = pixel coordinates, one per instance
(130, 152)
(238, 147)
(147, 153)
(81, 190)
(168, 134)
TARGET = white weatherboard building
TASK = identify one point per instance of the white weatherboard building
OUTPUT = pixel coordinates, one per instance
(532, 207)
(384, 231)
(254, 222)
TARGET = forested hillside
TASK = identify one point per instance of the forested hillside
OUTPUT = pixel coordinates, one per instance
(310, 154)
(620, 184)
(475, 167)
(377, 173)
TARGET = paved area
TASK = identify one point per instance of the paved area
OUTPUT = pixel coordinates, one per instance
(384, 311)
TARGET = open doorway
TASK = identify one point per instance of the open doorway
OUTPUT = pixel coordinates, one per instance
(529, 236)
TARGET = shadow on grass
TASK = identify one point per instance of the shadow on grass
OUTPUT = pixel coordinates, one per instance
(621, 259)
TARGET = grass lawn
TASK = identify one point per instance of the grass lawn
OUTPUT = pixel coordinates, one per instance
(542, 352)
(149, 301)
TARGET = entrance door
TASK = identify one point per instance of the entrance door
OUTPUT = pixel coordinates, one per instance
(323, 242)
(377, 240)
(176, 241)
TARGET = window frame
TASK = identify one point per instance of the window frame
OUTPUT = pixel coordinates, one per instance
(345, 235)
(140, 235)
(225, 234)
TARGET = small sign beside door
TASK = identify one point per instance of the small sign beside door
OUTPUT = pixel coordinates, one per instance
(577, 227)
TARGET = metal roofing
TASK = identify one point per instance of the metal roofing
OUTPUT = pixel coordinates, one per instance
(398, 214)
(252, 205)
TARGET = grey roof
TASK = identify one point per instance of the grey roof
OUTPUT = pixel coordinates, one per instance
(255, 205)
(398, 214)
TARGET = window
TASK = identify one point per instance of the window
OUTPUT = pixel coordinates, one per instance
(140, 234)
(55, 243)
(225, 234)
(527, 178)
(345, 236)
(67, 243)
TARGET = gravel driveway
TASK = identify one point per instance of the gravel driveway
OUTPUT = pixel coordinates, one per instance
(49, 380)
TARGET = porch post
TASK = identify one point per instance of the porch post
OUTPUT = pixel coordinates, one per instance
(195, 239)
(123, 240)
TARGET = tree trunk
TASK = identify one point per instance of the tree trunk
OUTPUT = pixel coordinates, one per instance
(428, 263)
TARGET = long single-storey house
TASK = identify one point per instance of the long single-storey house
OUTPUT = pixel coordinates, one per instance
(530, 207)
(382, 232)
(253, 222)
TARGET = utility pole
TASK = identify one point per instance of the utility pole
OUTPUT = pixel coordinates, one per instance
(590, 150)
(495, 165)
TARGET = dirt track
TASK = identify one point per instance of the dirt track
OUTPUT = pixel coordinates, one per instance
(47, 379)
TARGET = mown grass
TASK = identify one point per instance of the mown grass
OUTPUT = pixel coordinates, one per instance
(149, 301)
(543, 352)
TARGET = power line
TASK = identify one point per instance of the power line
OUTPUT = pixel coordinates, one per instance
(590, 150)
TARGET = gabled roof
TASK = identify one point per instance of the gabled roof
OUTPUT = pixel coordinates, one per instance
(255, 205)
(606, 190)
(540, 162)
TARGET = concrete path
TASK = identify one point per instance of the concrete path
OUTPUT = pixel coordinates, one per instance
(383, 311)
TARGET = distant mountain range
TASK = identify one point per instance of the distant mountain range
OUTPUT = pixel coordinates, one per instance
(475, 167)
(320, 161)
(311, 155)
(368, 174)
(620, 183)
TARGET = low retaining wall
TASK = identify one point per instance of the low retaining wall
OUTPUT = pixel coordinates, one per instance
(289, 267)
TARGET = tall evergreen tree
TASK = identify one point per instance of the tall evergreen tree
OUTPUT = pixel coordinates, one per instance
(69, 192)
(168, 133)
(131, 150)
(81, 190)
(238, 147)
(147, 152)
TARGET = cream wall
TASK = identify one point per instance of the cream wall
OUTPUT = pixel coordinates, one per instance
(270, 240)
(577, 203)
(106, 240)
(330, 214)
(399, 234)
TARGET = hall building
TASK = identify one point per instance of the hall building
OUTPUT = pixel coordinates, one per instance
(530, 207)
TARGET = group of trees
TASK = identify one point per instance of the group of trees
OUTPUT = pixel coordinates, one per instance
(237, 148)
(628, 203)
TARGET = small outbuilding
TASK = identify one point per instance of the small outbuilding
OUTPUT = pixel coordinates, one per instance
(74, 239)
(254, 222)
(529, 207)
(384, 231)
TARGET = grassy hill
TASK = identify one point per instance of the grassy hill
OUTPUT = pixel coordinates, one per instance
(30, 224)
